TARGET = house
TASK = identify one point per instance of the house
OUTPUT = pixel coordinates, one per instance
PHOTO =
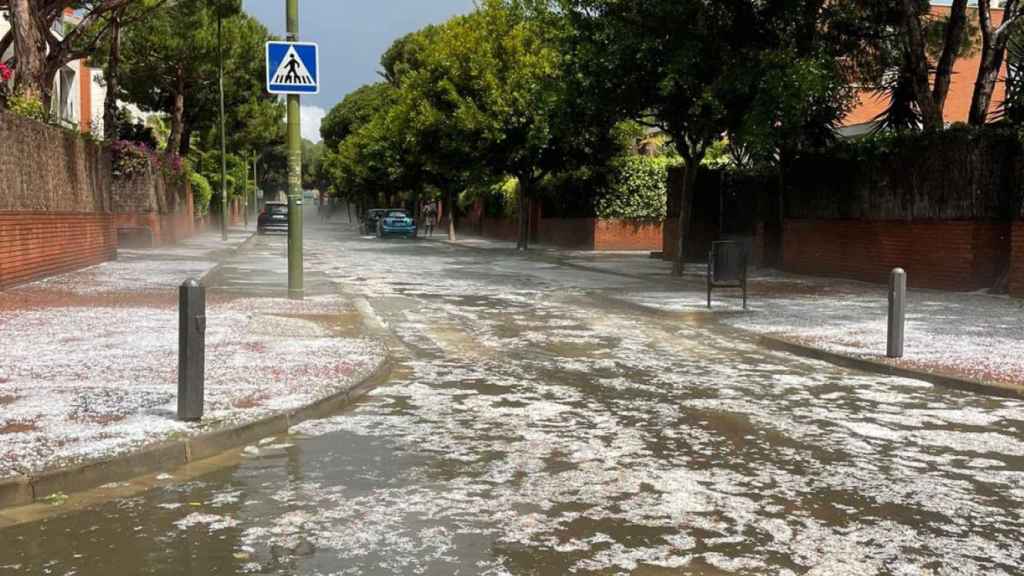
(78, 90)
(870, 104)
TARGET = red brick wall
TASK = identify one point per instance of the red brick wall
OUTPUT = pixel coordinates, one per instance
(37, 244)
(498, 228)
(702, 235)
(575, 233)
(948, 255)
(1017, 261)
(627, 235)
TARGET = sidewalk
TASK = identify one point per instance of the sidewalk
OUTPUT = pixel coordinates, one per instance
(968, 336)
(88, 360)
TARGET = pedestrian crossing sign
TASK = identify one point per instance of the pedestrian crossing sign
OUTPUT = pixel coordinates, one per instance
(293, 68)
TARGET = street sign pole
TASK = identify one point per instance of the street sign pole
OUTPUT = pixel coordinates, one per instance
(296, 291)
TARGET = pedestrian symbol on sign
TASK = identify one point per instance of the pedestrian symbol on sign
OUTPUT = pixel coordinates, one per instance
(292, 68)
(293, 71)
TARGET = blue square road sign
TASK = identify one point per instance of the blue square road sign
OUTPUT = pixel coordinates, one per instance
(293, 68)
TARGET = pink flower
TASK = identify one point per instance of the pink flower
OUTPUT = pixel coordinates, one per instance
(5, 73)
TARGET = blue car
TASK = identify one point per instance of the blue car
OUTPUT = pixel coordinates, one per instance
(396, 223)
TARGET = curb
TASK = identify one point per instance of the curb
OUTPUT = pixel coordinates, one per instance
(890, 368)
(25, 490)
(778, 343)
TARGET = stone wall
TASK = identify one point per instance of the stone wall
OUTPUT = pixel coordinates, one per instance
(43, 168)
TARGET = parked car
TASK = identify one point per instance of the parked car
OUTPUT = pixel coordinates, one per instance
(273, 218)
(396, 223)
(368, 224)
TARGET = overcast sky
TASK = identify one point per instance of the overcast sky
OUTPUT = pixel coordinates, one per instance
(352, 35)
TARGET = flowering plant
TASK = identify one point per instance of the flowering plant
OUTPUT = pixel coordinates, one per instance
(132, 158)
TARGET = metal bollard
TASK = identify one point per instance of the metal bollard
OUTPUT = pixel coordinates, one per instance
(191, 350)
(897, 312)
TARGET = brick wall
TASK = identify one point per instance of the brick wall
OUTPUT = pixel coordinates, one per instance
(577, 233)
(948, 255)
(60, 206)
(38, 244)
(627, 235)
(1017, 261)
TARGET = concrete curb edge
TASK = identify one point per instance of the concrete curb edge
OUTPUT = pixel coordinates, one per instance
(26, 490)
(889, 368)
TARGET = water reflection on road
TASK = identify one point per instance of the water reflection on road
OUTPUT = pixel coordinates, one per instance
(532, 428)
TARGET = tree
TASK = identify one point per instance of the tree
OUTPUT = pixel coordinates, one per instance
(676, 65)
(354, 112)
(768, 74)
(491, 86)
(41, 52)
(169, 64)
(930, 93)
(994, 40)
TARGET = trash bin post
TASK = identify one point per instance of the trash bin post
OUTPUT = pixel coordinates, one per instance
(897, 313)
(191, 350)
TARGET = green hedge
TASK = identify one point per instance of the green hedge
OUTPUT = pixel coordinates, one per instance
(639, 189)
(202, 192)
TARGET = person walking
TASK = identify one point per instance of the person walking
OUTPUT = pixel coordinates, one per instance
(429, 215)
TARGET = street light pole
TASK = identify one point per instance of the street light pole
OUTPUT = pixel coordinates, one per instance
(296, 291)
(255, 186)
(223, 140)
(245, 196)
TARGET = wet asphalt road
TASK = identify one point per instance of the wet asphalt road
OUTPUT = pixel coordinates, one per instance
(535, 425)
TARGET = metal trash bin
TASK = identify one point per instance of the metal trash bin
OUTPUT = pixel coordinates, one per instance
(727, 268)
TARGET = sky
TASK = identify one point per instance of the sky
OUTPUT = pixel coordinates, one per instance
(352, 35)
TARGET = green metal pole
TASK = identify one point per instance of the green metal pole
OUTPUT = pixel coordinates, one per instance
(223, 139)
(255, 188)
(245, 196)
(296, 291)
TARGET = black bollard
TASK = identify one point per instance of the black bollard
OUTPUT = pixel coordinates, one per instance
(191, 350)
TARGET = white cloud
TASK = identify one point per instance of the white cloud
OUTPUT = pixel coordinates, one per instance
(312, 116)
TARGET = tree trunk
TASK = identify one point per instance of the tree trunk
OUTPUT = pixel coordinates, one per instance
(993, 52)
(186, 140)
(111, 129)
(931, 116)
(177, 115)
(524, 214)
(954, 38)
(685, 211)
(451, 214)
(30, 50)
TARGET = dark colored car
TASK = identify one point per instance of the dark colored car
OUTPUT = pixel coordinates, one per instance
(368, 225)
(273, 218)
(396, 223)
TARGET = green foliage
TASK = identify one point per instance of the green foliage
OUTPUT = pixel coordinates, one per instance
(27, 107)
(354, 112)
(639, 189)
(202, 192)
(173, 54)
(881, 145)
